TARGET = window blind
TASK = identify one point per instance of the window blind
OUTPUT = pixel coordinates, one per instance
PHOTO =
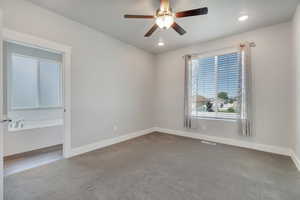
(216, 85)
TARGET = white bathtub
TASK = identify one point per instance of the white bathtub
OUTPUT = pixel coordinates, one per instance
(26, 125)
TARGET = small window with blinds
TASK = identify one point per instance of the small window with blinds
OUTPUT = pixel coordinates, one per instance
(216, 86)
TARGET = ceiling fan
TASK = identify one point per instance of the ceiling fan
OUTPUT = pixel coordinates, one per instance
(165, 18)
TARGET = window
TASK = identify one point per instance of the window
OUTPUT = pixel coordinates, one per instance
(216, 85)
(34, 83)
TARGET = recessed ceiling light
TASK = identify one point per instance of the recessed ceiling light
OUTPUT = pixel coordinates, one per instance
(243, 18)
(161, 44)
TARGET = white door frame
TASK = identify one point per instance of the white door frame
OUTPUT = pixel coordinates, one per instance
(1, 112)
(33, 41)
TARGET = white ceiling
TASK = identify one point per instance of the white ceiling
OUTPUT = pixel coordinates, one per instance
(107, 16)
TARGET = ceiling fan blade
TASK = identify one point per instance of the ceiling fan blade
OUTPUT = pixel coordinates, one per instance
(164, 5)
(151, 31)
(178, 29)
(194, 12)
(139, 16)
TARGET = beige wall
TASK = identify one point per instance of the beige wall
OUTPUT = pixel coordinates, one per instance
(272, 71)
(296, 78)
(112, 82)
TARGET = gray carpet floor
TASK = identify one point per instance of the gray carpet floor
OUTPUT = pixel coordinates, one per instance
(160, 167)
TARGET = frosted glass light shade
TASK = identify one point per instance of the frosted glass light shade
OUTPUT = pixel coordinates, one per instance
(165, 21)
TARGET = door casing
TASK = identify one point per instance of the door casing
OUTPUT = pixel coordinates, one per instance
(36, 42)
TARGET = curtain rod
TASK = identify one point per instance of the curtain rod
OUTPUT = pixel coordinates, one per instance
(252, 44)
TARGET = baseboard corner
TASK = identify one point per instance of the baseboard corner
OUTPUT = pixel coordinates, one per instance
(108, 142)
(295, 159)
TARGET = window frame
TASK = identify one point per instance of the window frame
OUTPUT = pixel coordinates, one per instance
(217, 115)
(38, 107)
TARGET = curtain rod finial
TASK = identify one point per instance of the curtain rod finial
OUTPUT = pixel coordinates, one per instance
(251, 44)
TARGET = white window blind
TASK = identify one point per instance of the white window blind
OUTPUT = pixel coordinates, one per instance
(216, 85)
(34, 83)
(24, 83)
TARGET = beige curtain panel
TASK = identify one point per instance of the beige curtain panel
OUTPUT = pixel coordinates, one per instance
(187, 93)
(246, 107)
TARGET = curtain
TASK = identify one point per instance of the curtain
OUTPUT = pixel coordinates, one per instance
(188, 121)
(245, 101)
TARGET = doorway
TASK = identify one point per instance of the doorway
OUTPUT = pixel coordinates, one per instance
(36, 101)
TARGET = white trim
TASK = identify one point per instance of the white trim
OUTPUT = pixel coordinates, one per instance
(215, 115)
(33, 41)
(36, 42)
(39, 108)
(67, 102)
(295, 159)
(232, 142)
(216, 119)
(108, 142)
(1, 107)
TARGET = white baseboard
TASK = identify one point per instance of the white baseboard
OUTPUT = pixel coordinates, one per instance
(221, 140)
(295, 159)
(232, 142)
(108, 142)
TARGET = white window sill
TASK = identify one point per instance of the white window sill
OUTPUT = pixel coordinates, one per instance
(216, 119)
(231, 117)
(38, 108)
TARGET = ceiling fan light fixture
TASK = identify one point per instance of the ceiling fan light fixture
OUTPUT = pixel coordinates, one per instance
(165, 17)
(165, 21)
(160, 44)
